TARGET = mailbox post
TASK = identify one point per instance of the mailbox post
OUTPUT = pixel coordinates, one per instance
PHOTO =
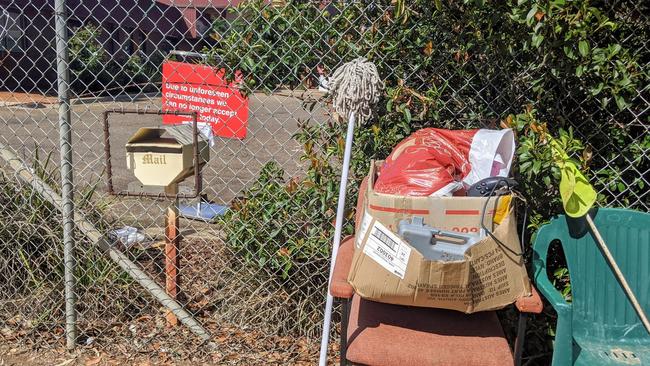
(172, 247)
(164, 157)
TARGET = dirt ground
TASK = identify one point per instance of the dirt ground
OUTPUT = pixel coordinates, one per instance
(242, 317)
(142, 337)
(237, 350)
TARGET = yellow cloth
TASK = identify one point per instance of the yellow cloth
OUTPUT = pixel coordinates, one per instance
(502, 209)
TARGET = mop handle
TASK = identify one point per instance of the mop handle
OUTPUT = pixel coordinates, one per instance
(338, 229)
(619, 274)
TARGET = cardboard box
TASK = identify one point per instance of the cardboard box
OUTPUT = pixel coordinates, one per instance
(163, 156)
(387, 269)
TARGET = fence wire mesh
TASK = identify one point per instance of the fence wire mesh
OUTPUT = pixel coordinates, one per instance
(255, 277)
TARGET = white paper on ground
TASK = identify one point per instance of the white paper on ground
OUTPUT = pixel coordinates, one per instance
(128, 236)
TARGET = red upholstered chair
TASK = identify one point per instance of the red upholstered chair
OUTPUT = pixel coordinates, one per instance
(374, 333)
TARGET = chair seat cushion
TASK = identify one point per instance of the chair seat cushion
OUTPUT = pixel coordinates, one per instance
(384, 334)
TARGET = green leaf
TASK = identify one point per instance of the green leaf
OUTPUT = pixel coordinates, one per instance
(595, 91)
(531, 14)
(407, 115)
(579, 70)
(583, 47)
(620, 102)
(569, 52)
(537, 40)
(625, 81)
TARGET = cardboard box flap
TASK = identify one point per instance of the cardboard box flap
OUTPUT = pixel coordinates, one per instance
(438, 273)
(462, 214)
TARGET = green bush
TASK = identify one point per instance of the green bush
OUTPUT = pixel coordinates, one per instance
(578, 41)
(285, 225)
(281, 225)
(537, 170)
(465, 65)
(282, 45)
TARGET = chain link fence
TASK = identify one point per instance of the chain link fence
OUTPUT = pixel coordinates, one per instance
(254, 275)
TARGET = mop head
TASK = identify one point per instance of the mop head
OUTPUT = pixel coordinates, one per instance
(356, 88)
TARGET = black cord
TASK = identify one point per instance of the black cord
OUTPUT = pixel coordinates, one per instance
(488, 231)
(522, 236)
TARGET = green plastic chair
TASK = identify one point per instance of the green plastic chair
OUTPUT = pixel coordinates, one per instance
(598, 326)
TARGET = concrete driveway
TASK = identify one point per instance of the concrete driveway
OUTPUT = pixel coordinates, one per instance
(234, 164)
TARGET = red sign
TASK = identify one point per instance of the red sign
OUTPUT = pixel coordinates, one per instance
(204, 89)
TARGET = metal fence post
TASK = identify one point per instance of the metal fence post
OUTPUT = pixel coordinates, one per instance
(65, 136)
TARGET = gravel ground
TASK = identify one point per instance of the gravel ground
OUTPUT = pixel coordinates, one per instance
(237, 317)
(236, 348)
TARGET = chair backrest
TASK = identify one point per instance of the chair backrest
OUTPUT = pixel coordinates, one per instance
(601, 310)
(361, 196)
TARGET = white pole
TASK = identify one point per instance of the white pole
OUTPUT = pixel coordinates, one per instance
(338, 228)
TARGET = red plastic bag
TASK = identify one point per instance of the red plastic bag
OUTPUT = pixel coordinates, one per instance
(439, 162)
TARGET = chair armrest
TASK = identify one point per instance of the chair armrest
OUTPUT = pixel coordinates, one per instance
(563, 346)
(339, 287)
(530, 304)
(545, 236)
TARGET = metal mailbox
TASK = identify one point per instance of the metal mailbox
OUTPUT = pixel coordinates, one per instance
(162, 156)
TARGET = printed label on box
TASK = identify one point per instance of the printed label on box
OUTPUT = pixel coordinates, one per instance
(387, 249)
